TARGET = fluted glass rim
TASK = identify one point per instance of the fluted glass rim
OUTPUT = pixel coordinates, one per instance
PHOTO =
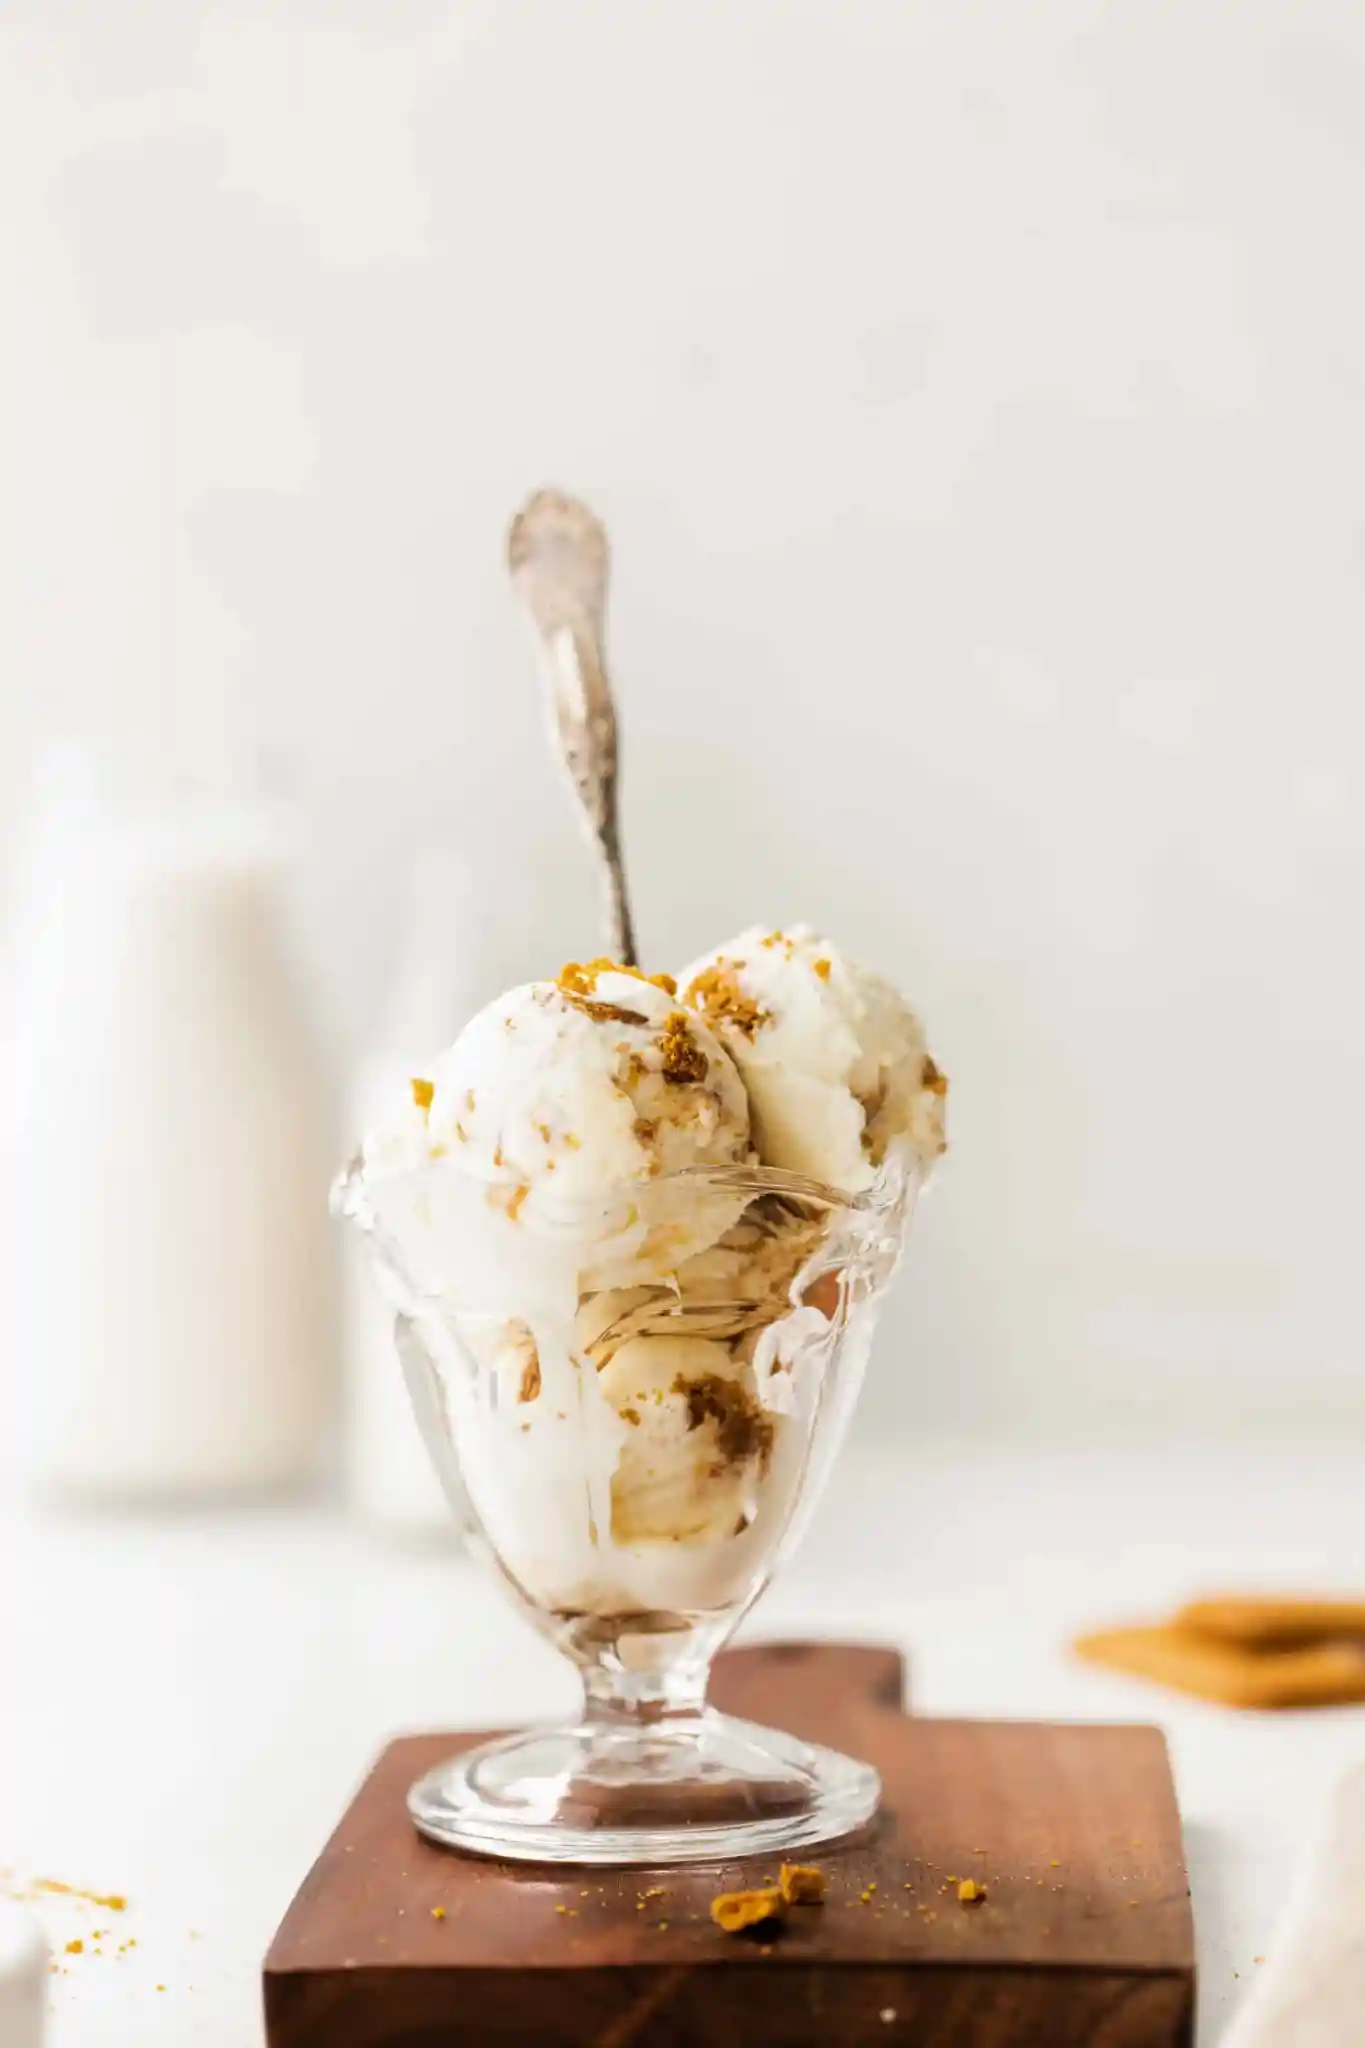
(901, 1169)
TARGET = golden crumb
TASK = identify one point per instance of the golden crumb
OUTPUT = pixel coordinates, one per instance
(716, 993)
(683, 1059)
(519, 1194)
(630, 1415)
(970, 1892)
(498, 1159)
(75, 1948)
(572, 1142)
(544, 1130)
(820, 968)
(734, 1911)
(113, 1902)
(530, 1379)
(438, 1912)
(582, 980)
(576, 984)
(422, 1093)
(801, 1884)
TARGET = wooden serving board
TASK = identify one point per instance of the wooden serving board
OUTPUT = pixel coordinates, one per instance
(1085, 1936)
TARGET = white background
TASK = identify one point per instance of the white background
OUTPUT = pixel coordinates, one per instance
(976, 395)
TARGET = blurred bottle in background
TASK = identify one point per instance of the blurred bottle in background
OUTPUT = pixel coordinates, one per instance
(444, 973)
(171, 1269)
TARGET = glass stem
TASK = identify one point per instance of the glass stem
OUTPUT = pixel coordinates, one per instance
(641, 1699)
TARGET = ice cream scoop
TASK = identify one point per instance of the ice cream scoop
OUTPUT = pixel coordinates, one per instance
(834, 1060)
(697, 1441)
(575, 1103)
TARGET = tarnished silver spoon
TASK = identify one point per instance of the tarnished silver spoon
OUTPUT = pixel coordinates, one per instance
(557, 552)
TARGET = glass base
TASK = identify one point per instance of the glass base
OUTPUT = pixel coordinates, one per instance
(696, 1788)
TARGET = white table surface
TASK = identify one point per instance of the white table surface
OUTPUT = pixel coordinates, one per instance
(185, 1705)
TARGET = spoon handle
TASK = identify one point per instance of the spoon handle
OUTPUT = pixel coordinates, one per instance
(557, 552)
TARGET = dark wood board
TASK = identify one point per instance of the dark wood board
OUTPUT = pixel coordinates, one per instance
(1085, 1937)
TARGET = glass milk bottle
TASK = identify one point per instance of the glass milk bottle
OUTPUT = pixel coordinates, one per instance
(442, 976)
(172, 1259)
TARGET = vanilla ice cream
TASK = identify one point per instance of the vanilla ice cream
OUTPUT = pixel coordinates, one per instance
(572, 1103)
(833, 1059)
(697, 1441)
(628, 1332)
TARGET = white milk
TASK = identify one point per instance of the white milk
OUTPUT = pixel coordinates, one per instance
(172, 1253)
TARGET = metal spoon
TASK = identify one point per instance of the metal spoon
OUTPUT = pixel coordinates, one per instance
(557, 552)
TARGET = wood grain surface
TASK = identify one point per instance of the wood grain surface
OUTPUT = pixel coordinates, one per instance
(1085, 1935)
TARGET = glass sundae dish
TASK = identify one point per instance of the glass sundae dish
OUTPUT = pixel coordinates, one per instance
(635, 1232)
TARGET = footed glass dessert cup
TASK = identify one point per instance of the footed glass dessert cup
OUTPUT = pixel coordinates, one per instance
(634, 1441)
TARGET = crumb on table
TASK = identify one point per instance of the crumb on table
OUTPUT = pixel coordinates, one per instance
(734, 1911)
(801, 1884)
